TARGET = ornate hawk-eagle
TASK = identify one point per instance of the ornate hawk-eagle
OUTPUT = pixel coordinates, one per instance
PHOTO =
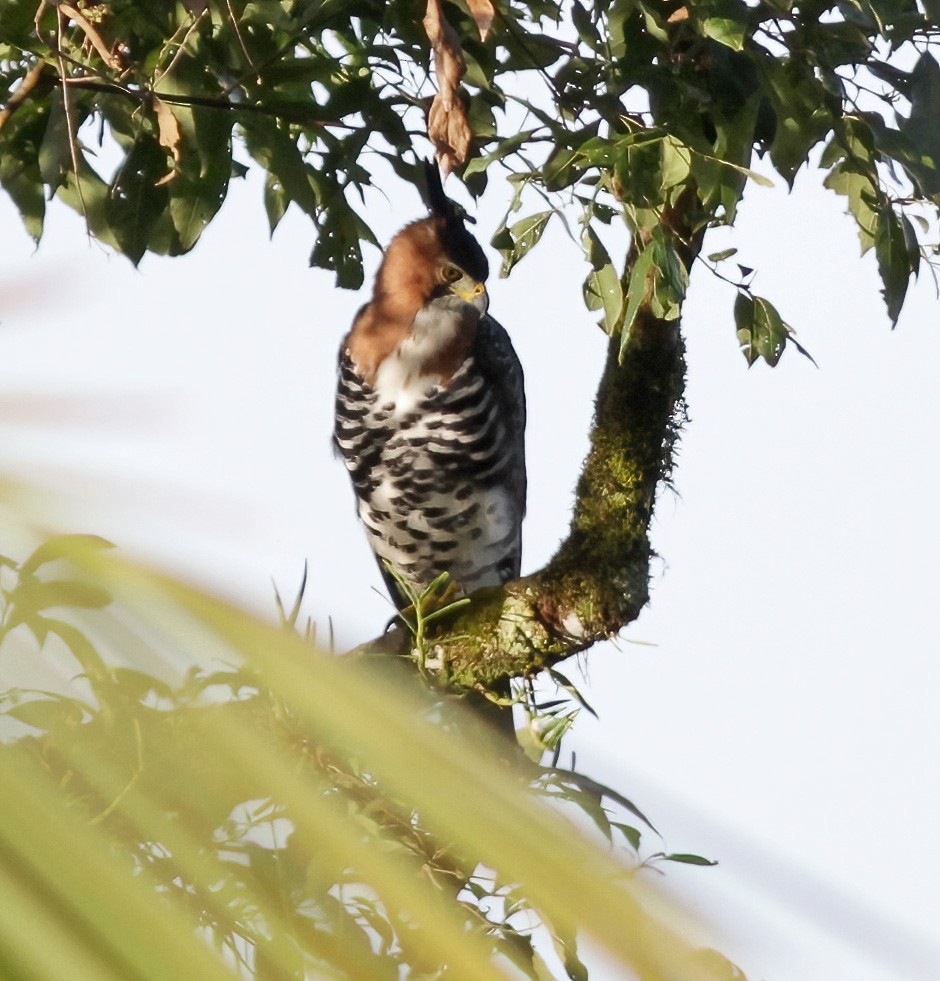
(430, 411)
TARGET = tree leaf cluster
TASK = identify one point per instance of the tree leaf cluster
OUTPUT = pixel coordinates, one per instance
(265, 840)
(301, 87)
(140, 117)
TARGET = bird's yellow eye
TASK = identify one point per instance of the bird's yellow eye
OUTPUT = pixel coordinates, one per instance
(451, 274)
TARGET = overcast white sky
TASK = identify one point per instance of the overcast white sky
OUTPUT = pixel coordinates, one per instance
(781, 712)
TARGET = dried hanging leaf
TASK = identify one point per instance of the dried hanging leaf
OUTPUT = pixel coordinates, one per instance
(449, 131)
(169, 134)
(449, 65)
(448, 126)
(483, 13)
(678, 15)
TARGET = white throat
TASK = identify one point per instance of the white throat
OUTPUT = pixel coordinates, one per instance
(401, 379)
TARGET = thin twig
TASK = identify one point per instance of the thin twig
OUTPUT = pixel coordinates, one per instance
(241, 40)
(179, 51)
(143, 95)
(88, 29)
(71, 130)
(549, 81)
(30, 81)
(282, 50)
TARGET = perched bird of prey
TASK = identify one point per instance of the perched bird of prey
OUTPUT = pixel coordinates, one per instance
(430, 411)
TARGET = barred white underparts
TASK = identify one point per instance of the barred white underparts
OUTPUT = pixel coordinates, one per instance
(438, 466)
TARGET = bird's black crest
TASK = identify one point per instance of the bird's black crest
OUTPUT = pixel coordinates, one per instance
(462, 247)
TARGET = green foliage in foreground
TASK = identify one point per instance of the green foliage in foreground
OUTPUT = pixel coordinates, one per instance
(138, 116)
(285, 815)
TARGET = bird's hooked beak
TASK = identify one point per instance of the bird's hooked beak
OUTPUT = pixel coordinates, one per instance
(472, 293)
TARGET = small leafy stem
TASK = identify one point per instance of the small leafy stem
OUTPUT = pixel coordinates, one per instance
(426, 606)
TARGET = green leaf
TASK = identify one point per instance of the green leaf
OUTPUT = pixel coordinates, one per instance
(584, 25)
(721, 256)
(592, 806)
(687, 859)
(49, 714)
(520, 238)
(137, 199)
(572, 690)
(202, 177)
(658, 280)
(69, 592)
(861, 190)
(726, 30)
(505, 147)
(566, 947)
(563, 167)
(17, 27)
(81, 647)
(88, 195)
(545, 731)
(921, 126)
(744, 324)
(602, 289)
(672, 278)
(272, 146)
(803, 108)
(676, 162)
(618, 15)
(639, 169)
(641, 276)
(20, 174)
(337, 247)
(762, 332)
(709, 963)
(654, 22)
(739, 169)
(63, 547)
(55, 150)
(894, 261)
(770, 332)
(854, 174)
(629, 832)
(30, 596)
(911, 241)
(276, 201)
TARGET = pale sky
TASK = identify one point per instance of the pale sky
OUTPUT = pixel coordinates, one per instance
(780, 713)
